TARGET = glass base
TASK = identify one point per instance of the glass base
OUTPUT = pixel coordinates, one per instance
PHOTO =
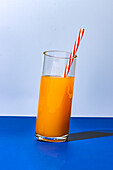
(52, 139)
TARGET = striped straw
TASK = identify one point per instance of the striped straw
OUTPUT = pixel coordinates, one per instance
(75, 48)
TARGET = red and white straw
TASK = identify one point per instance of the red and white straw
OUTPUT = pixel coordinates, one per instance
(75, 48)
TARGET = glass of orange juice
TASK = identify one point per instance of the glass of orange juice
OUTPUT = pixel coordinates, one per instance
(55, 97)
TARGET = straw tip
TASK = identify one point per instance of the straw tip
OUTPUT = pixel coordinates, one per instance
(82, 29)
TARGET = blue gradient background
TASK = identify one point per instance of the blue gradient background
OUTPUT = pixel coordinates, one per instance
(29, 27)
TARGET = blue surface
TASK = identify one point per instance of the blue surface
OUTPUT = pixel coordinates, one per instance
(90, 146)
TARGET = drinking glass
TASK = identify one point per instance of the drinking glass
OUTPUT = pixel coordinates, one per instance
(55, 97)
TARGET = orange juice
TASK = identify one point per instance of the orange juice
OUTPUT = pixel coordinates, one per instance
(54, 106)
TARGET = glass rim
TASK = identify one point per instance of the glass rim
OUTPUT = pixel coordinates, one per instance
(58, 51)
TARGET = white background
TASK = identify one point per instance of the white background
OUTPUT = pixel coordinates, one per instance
(29, 27)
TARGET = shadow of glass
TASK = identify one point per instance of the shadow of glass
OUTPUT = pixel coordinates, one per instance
(89, 135)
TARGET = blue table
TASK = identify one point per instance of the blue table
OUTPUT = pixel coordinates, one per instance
(90, 146)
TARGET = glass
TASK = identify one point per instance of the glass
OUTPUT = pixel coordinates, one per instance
(55, 97)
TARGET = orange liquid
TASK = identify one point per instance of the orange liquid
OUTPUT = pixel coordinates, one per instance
(54, 106)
